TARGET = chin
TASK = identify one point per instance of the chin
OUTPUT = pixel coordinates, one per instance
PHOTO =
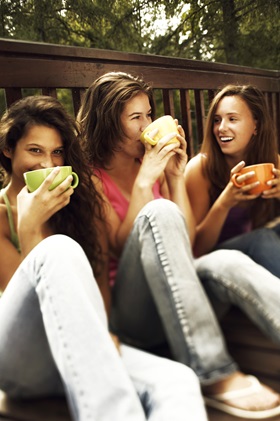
(141, 151)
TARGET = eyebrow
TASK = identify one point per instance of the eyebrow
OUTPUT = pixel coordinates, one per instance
(134, 113)
(139, 113)
(230, 113)
(38, 145)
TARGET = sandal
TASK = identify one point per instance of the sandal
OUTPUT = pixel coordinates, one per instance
(219, 402)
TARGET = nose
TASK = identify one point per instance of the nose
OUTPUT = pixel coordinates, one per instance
(222, 126)
(146, 122)
(47, 162)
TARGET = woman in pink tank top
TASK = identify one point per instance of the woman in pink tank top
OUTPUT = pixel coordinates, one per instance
(157, 295)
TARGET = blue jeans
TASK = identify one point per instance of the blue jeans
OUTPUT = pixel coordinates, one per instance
(54, 341)
(262, 245)
(158, 293)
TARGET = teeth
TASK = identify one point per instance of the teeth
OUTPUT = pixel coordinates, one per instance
(226, 139)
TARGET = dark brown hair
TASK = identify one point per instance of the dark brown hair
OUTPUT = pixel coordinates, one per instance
(101, 109)
(76, 219)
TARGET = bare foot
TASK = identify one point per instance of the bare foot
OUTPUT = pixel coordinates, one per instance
(259, 398)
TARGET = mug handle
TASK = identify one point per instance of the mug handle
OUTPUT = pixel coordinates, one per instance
(75, 181)
(149, 139)
(235, 182)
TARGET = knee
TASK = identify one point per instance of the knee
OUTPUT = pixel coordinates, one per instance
(162, 210)
(58, 244)
(183, 378)
(262, 235)
(223, 264)
(57, 248)
(221, 260)
(159, 206)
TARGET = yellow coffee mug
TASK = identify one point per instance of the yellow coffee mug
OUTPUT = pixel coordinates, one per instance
(165, 125)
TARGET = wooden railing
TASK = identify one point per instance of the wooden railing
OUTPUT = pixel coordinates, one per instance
(183, 88)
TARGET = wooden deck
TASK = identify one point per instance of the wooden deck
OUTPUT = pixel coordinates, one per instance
(183, 88)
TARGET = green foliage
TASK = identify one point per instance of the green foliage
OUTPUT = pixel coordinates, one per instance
(243, 32)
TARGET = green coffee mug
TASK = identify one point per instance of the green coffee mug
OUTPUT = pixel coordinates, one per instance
(33, 179)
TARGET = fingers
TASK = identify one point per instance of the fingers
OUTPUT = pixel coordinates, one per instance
(274, 191)
(237, 167)
(49, 179)
(61, 188)
(181, 131)
(239, 180)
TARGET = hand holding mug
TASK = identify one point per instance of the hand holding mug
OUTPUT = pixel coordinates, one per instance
(34, 179)
(258, 174)
(38, 206)
(158, 129)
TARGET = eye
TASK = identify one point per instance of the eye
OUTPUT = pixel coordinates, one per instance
(35, 150)
(58, 152)
(216, 120)
(233, 119)
(149, 115)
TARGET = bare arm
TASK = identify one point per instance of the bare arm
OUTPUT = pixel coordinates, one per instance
(10, 259)
(151, 169)
(33, 212)
(175, 183)
(210, 220)
(35, 209)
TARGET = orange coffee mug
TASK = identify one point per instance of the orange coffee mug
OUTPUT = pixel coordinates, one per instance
(263, 173)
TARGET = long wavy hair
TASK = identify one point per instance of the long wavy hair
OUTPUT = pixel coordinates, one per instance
(261, 148)
(100, 113)
(76, 219)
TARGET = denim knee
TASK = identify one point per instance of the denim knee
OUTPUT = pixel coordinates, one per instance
(56, 245)
(162, 210)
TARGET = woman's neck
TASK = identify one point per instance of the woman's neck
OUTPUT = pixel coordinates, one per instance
(12, 190)
(124, 173)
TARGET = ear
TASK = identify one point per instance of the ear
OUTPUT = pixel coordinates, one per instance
(255, 130)
(7, 153)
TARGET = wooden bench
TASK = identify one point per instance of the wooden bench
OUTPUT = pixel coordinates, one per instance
(183, 88)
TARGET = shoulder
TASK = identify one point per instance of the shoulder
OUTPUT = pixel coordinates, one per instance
(4, 222)
(194, 166)
(3, 211)
(195, 176)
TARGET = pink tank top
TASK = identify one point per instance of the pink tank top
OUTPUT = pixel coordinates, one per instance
(120, 205)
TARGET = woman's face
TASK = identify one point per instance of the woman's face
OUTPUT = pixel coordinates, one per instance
(135, 117)
(234, 126)
(40, 147)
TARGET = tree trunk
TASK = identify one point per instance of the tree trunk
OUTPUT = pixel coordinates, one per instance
(230, 29)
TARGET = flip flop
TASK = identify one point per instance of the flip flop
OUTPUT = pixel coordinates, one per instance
(219, 402)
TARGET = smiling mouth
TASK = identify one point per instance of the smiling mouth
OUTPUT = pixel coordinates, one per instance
(226, 139)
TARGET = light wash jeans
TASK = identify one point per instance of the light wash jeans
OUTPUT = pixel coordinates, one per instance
(54, 340)
(158, 293)
(262, 245)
